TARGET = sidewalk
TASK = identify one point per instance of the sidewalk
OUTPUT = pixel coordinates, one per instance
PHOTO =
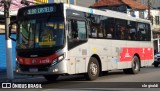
(17, 77)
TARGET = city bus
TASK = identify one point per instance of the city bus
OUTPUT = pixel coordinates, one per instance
(60, 39)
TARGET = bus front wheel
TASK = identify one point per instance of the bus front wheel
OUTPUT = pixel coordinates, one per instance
(93, 69)
(51, 77)
(135, 66)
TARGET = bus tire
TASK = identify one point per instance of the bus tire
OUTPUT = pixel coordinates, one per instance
(93, 69)
(51, 77)
(135, 66)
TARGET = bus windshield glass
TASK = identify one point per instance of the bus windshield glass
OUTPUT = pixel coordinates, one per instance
(42, 32)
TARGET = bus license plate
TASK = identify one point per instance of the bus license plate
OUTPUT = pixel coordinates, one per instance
(33, 70)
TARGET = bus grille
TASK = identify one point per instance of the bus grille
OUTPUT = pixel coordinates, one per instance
(39, 67)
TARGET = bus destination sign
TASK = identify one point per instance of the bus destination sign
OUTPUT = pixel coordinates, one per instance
(41, 10)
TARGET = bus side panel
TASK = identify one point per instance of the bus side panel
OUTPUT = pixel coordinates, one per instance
(127, 52)
(78, 59)
(117, 46)
(147, 60)
(102, 48)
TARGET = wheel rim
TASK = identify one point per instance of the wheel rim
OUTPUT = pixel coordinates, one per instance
(135, 65)
(93, 69)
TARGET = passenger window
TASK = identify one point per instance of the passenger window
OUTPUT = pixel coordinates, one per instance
(141, 32)
(132, 30)
(81, 27)
(148, 32)
(77, 30)
(77, 33)
(93, 30)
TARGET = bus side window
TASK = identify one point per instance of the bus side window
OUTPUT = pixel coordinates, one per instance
(74, 30)
(141, 33)
(77, 30)
(82, 32)
(148, 32)
(132, 26)
(132, 32)
(77, 33)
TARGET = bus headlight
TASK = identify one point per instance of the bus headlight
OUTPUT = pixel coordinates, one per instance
(57, 60)
(60, 58)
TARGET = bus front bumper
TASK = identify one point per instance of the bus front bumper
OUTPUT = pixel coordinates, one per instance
(60, 68)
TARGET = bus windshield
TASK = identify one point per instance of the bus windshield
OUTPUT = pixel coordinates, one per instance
(41, 33)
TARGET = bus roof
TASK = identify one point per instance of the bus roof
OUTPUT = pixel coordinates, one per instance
(107, 12)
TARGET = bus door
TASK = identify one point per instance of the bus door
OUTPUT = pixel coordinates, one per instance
(77, 46)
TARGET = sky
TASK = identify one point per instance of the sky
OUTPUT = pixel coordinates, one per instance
(15, 5)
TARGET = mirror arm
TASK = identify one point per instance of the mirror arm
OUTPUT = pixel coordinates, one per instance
(10, 30)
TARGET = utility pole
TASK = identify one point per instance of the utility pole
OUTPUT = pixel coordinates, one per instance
(9, 64)
(149, 11)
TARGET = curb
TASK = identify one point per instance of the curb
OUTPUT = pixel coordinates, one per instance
(3, 77)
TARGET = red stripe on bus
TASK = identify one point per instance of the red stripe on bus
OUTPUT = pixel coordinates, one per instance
(36, 61)
(128, 53)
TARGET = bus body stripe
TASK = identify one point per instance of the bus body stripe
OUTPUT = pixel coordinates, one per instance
(36, 61)
(128, 53)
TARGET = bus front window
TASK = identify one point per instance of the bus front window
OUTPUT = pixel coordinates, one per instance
(41, 33)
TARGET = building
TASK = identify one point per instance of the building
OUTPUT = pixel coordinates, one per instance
(131, 7)
(156, 28)
(154, 3)
(85, 3)
(156, 19)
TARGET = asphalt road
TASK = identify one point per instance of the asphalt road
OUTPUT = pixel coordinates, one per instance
(113, 81)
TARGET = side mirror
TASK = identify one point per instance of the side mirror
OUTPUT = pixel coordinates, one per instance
(10, 30)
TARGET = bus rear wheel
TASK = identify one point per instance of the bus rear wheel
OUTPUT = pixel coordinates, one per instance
(93, 69)
(51, 77)
(135, 66)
